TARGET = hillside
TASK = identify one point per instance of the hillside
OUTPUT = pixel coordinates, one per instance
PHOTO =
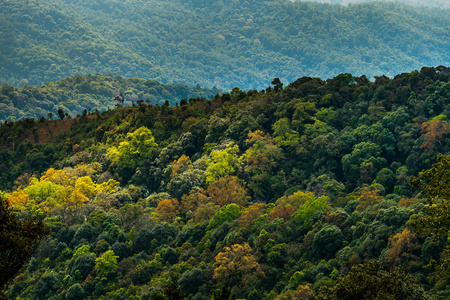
(432, 3)
(284, 193)
(222, 43)
(93, 92)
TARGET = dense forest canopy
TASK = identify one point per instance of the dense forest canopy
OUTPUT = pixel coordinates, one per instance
(293, 191)
(222, 43)
(74, 95)
(433, 3)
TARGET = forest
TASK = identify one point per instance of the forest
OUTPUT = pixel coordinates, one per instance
(319, 189)
(219, 43)
(92, 92)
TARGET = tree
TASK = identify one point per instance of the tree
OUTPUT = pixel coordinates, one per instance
(327, 241)
(251, 214)
(75, 292)
(194, 200)
(18, 240)
(168, 209)
(368, 198)
(435, 184)
(106, 265)
(435, 132)
(403, 251)
(222, 162)
(278, 86)
(120, 100)
(307, 211)
(138, 145)
(227, 190)
(237, 263)
(226, 213)
(371, 281)
(61, 113)
(191, 281)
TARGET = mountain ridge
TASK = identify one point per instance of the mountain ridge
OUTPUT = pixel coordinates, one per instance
(221, 43)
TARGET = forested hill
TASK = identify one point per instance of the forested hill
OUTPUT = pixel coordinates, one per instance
(282, 193)
(92, 92)
(222, 43)
(432, 3)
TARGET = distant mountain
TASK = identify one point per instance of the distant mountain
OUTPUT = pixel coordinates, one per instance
(222, 43)
(432, 3)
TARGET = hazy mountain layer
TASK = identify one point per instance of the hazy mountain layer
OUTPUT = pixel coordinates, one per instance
(216, 43)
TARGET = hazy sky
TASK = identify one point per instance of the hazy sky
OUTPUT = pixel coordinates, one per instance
(435, 3)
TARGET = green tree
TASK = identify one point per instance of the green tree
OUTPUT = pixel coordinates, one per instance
(18, 240)
(327, 241)
(75, 292)
(371, 281)
(226, 213)
(435, 184)
(222, 162)
(106, 265)
(138, 145)
(305, 214)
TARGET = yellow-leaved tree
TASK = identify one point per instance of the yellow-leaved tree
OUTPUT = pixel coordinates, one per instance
(237, 265)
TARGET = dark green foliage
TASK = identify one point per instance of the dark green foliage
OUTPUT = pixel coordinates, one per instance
(120, 249)
(143, 241)
(82, 266)
(170, 255)
(47, 284)
(85, 233)
(191, 280)
(18, 241)
(325, 165)
(371, 281)
(223, 294)
(327, 242)
(75, 292)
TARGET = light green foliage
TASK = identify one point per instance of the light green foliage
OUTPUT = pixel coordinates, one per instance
(296, 279)
(82, 250)
(106, 265)
(222, 162)
(313, 130)
(41, 190)
(138, 145)
(227, 213)
(284, 135)
(306, 212)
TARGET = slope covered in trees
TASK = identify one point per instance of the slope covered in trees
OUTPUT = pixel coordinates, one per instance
(281, 193)
(222, 43)
(82, 94)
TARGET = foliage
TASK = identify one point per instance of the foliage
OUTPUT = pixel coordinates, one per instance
(47, 40)
(18, 241)
(371, 281)
(106, 265)
(237, 263)
(146, 223)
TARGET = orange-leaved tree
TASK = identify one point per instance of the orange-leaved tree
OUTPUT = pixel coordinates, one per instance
(227, 190)
(435, 132)
(168, 209)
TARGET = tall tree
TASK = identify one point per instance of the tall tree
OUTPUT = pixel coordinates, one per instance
(435, 184)
(18, 240)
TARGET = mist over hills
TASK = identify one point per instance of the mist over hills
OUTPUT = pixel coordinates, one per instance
(216, 43)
